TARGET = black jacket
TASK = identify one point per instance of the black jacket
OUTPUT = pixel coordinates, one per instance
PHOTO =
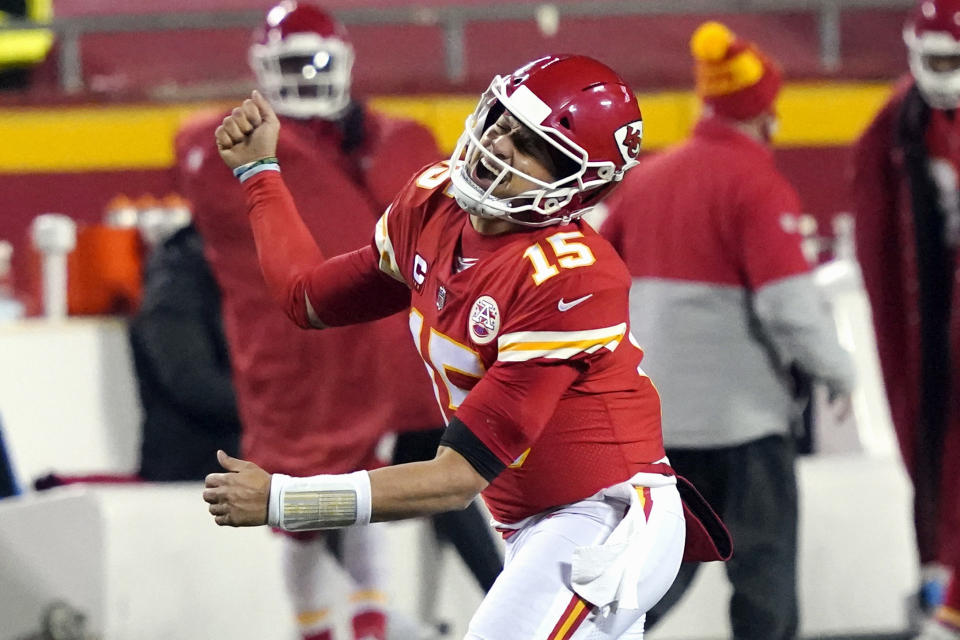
(182, 365)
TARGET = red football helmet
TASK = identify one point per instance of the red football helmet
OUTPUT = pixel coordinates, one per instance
(591, 124)
(302, 59)
(932, 35)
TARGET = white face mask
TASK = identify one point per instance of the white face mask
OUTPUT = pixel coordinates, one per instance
(543, 203)
(305, 75)
(934, 58)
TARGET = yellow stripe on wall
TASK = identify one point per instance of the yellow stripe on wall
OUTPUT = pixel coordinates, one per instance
(89, 138)
(811, 115)
(141, 137)
(819, 115)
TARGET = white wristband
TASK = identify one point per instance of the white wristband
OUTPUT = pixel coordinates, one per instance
(277, 481)
(319, 502)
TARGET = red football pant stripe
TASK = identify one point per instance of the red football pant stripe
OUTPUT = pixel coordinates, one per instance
(571, 619)
(646, 501)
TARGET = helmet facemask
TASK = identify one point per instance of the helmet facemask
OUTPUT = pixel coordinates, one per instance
(478, 171)
(304, 75)
(934, 58)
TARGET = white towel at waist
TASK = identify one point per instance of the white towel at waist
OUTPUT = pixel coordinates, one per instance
(608, 573)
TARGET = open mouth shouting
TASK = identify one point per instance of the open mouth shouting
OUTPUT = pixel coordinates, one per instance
(486, 171)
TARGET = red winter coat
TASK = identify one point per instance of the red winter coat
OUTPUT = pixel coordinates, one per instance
(723, 301)
(893, 189)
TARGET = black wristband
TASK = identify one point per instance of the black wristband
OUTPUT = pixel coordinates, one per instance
(458, 437)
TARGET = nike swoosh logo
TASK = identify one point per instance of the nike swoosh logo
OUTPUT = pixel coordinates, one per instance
(566, 306)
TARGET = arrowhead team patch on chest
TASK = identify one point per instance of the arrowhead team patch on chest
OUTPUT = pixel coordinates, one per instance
(484, 322)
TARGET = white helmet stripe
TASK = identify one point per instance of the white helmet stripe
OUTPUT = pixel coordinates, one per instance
(525, 104)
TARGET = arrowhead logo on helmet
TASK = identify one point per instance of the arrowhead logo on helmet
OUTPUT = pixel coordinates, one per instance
(629, 138)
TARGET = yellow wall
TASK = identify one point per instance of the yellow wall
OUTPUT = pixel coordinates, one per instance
(90, 138)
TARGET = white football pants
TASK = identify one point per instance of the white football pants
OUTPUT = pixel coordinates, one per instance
(533, 599)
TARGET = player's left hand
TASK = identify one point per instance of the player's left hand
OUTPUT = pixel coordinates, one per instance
(238, 498)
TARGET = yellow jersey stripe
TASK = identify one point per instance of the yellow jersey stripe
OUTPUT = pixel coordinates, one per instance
(556, 354)
(565, 337)
(557, 345)
(581, 345)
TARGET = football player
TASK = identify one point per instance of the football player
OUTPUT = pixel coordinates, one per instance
(520, 311)
(346, 162)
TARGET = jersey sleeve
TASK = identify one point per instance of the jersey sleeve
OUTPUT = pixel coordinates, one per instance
(397, 230)
(507, 411)
(343, 290)
(350, 289)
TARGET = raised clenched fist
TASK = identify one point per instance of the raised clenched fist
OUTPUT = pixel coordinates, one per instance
(249, 133)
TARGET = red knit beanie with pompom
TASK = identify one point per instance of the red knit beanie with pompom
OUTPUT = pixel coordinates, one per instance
(733, 76)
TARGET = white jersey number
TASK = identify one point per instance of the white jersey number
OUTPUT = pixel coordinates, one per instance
(445, 356)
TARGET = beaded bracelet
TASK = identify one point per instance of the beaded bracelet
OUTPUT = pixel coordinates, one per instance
(246, 171)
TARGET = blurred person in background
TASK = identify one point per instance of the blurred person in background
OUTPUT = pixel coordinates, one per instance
(907, 206)
(180, 358)
(181, 361)
(319, 403)
(8, 480)
(23, 49)
(726, 310)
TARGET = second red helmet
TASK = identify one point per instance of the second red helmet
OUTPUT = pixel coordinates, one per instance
(303, 60)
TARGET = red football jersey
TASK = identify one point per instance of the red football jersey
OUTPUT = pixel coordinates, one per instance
(547, 297)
